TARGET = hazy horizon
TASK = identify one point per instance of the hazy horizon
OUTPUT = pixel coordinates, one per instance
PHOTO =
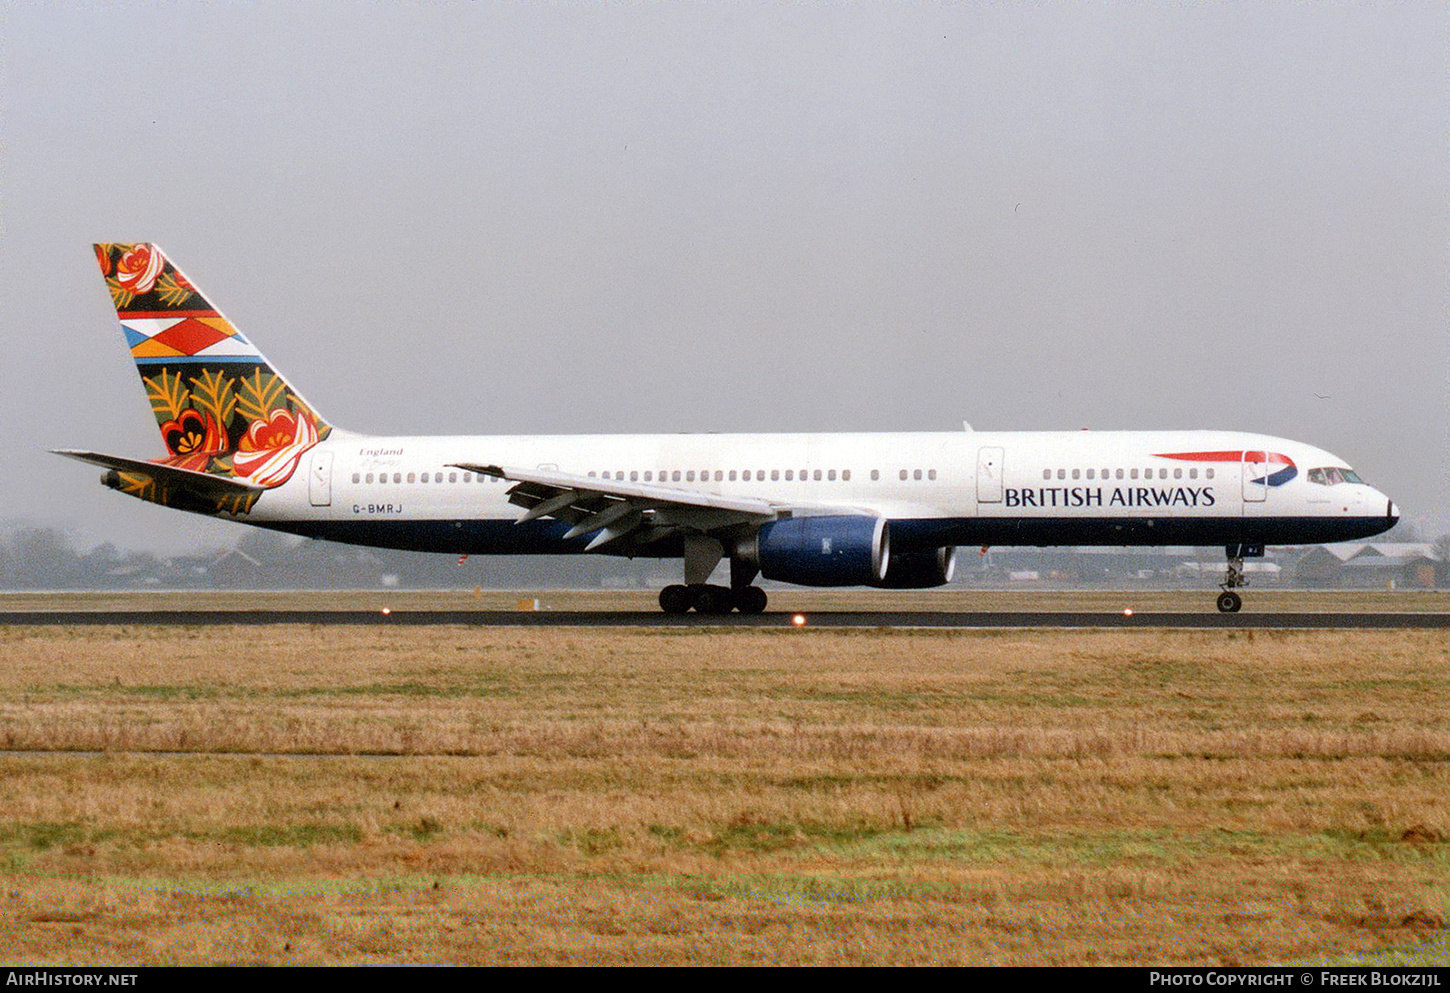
(498, 219)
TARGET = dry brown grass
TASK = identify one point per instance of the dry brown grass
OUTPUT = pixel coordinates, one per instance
(279, 794)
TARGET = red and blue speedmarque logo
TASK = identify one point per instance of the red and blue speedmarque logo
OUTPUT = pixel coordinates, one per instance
(1277, 477)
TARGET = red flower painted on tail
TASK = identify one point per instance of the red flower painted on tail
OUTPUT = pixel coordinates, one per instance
(137, 270)
(270, 450)
(194, 439)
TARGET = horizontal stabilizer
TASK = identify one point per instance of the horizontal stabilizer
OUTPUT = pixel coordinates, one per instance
(167, 473)
(171, 486)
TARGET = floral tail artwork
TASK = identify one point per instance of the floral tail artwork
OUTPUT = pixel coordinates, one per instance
(222, 409)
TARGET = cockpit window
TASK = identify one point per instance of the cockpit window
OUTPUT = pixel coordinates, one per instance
(1330, 475)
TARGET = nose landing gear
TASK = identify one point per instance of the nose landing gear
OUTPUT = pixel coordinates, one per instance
(1229, 602)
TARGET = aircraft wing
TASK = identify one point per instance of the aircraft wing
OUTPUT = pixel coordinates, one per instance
(615, 511)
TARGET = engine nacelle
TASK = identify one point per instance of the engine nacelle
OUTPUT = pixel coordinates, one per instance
(919, 570)
(824, 551)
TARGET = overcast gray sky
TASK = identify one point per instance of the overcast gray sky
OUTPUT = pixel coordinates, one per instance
(491, 218)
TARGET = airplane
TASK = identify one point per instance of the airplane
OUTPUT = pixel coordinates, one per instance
(885, 510)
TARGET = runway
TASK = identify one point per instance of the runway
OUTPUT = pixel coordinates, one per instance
(946, 620)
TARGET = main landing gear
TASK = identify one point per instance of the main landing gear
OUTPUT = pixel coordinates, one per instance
(1229, 602)
(702, 555)
(706, 599)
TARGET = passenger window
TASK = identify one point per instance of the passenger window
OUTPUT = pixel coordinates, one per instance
(690, 476)
(903, 474)
(370, 477)
(916, 474)
(1208, 474)
(875, 475)
(775, 474)
(817, 475)
(845, 475)
(1162, 473)
(675, 476)
(1177, 473)
(1119, 474)
(1062, 474)
(931, 474)
(1133, 474)
(453, 477)
(1076, 473)
(719, 475)
(468, 477)
(412, 477)
(1192, 473)
(732, 475)
(1046, 473)
(357, 477)
(831, 476)
(634, 475)
(789, 475)
(1092, 474)
(649, 475)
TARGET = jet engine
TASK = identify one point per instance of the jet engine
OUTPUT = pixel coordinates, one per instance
(824, 551)
(919, 570)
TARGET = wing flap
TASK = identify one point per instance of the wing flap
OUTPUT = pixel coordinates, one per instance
(620, 513)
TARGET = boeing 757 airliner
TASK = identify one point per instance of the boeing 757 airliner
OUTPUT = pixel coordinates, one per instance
(884, 510)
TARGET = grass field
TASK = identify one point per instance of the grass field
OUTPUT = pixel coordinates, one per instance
(331, 795)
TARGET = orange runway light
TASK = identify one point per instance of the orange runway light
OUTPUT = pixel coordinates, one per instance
(799, 620)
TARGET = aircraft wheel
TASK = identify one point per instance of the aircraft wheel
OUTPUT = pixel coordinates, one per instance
(712, 599)
(1229, 602)
(751, 600)
(676, 599)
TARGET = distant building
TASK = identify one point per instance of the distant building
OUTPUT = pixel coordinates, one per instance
(1384, 564)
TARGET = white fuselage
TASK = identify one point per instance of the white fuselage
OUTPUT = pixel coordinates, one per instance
(935, 489)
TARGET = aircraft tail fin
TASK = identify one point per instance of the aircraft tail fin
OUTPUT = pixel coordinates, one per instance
(221, 406)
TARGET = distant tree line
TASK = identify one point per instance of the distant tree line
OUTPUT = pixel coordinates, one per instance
(39, 558)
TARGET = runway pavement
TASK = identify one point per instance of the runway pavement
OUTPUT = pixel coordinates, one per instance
(1194, 620)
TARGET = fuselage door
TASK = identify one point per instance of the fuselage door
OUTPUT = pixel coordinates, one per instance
(319, 480)
(1256, 476)
(989, 475)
